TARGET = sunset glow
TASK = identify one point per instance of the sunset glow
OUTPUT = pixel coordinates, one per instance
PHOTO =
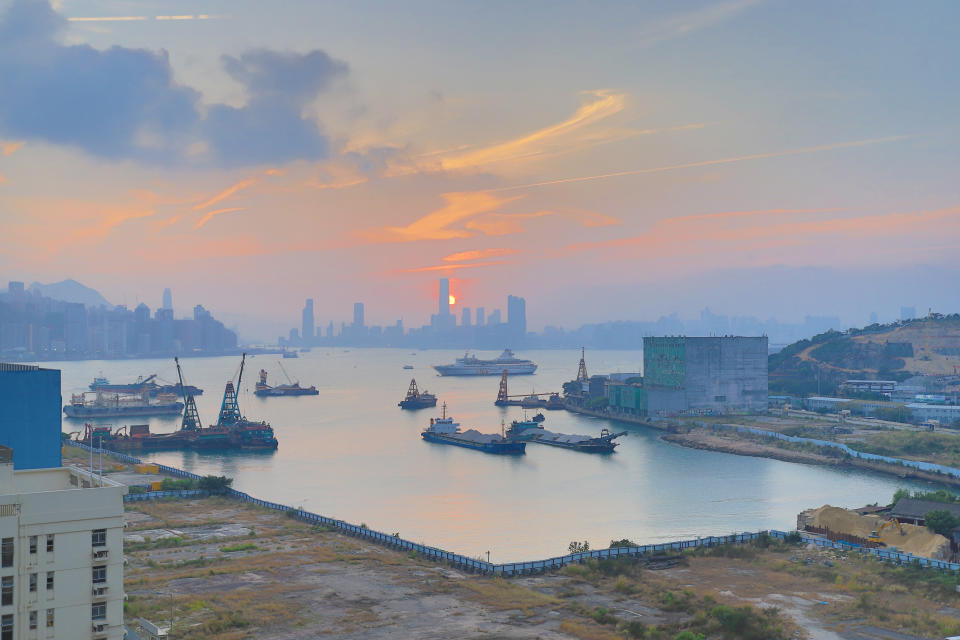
(329, 156)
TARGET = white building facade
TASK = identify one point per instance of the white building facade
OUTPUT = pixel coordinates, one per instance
(61, 553)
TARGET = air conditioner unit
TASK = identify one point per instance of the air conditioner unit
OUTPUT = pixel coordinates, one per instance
(102, 553)
(100, 628)
(99, 591)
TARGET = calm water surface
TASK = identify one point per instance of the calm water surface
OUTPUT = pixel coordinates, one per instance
(351, 453)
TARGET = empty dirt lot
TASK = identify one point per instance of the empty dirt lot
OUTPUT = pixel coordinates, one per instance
(232, 570)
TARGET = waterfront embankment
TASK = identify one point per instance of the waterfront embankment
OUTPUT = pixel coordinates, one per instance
(744, 443)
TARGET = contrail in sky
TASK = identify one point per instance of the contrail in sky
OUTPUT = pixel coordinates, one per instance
(707, 163)
(200, 16)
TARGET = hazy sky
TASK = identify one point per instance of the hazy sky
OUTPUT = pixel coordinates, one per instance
(603, 160)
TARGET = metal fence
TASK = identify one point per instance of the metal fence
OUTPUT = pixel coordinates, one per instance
(477, 565)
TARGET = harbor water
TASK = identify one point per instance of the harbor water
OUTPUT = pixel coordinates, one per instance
(351, 453)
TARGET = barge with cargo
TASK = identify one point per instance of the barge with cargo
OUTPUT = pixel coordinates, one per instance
(530, 431)
(444, 430)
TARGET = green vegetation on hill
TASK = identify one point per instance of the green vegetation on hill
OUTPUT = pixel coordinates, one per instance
(821, 363)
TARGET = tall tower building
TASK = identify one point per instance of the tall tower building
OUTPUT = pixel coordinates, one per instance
(481, 316)
(443, 298)
(167, 299)
(517, 316)
(358, 314)
(307, 331)
(465, 317)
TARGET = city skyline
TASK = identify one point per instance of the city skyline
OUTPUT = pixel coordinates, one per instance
(624, 163)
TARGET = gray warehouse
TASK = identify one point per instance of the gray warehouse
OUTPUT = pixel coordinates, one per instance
(708, 375)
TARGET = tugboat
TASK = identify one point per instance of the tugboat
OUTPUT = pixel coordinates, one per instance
(417, 399)
(539, 417)
(444, 430)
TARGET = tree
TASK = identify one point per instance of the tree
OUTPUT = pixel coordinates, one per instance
(625, 542)
(941, 521)
(215, 484)
(900, 493)
(578, 547)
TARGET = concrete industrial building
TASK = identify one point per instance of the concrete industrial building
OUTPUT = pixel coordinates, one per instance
(684, 375)
(30, 414)
(61, 553)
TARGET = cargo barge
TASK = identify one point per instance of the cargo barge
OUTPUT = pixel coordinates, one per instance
(529, 431)
(142, 384)
(118, 405)
(263, 389)
(444, 430)
(416, 399)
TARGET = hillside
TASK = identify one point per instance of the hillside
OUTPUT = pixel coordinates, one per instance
(925, 346)
(71, 291)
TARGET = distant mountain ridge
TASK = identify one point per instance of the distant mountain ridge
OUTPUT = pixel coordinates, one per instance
(71, 291)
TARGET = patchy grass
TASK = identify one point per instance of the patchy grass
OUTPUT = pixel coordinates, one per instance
(587, 631)
(503, 594)
(240, 546)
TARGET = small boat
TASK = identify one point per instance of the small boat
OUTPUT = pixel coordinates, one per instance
(538, 418)
(408, 366)
(290, 354)
(554, 402)
(416, 399)
(444, 430)
(293, 389)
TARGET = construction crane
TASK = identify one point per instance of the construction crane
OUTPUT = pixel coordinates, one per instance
(191, 417)
(282, 368)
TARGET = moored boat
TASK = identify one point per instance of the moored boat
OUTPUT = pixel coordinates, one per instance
(416, 399)
(470, 365)
(444, 430)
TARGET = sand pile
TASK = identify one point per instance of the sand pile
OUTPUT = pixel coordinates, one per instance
(919, 541)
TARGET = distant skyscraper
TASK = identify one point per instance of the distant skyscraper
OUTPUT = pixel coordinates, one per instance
(443, 298)
(465, 317)
(517, 316)
(330, 329)
(358, 314)
(908, 313)
(167, 299)
(481, 318)
(306, 325)
(874, 318)
(494, 318)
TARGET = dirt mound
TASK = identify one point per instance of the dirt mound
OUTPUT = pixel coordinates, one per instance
(919, 541)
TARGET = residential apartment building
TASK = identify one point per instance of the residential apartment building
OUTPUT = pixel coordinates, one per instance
(61, 553)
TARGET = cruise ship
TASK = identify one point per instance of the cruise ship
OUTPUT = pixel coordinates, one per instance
(470, 365)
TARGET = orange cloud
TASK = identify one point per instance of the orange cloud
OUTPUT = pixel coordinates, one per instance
(226, 193)
(706, 163)
(8, 148)
(454, 267)
(560, 137)
(3, 178)
(216, 212)
(160, 225)
(502, 224)
(478, 254)
(437, 224)
(109, 219)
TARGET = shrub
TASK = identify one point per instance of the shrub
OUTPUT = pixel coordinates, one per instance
(214, 484)
(941, 521)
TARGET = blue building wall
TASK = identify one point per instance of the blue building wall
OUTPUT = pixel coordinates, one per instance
(30, 414)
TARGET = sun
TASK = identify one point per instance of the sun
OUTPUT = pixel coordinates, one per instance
(452, 299)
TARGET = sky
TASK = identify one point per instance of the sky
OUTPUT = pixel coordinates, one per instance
(606, 161)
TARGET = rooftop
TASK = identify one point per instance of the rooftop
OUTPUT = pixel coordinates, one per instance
(913, 508)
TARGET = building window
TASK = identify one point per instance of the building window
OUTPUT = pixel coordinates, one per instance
(99, 611)
(49, 543)
(33, 619)
(49, 618)
(6, 591)
(6, 627)
(100, 574)
(49, 580)
(6, 552)
(33, 583)
(33, 544)
(99, 537)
